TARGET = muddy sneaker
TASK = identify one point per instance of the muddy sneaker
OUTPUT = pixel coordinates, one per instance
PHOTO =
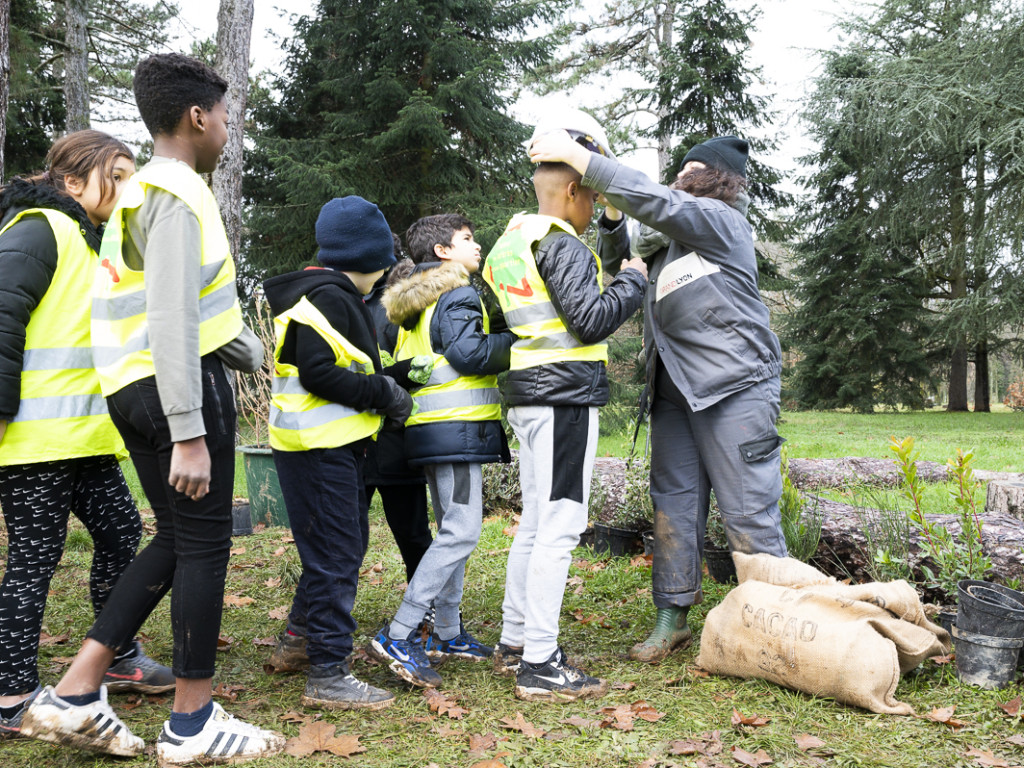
(557, 681)
(224, 739)
(93, 727)
(506, 659)
(289, 655)
(334, 687)
(10, 726)
(405, 658)
(138, 673)
(462, 646)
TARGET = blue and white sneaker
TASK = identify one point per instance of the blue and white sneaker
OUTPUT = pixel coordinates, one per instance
(462, 646)
(406, 658)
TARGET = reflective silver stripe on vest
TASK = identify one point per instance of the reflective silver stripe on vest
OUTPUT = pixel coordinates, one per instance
(212, 305)
(316, 417)
(550, 341)
(58, 407)
(462, 398)
(535, 313)
(443, 375)
(291, 385)
(57, 359)
(132, 304)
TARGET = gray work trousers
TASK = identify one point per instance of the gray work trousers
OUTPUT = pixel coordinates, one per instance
(731, 447)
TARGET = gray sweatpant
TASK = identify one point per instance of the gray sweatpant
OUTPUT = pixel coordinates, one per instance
(731, 447)
(456, 493)
(556, 459)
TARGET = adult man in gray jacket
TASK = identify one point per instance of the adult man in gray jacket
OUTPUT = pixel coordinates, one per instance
(713, 366)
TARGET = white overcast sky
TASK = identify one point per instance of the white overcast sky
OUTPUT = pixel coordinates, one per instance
(785, 43)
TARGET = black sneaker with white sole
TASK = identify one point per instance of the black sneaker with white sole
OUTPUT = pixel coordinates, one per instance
(556, 681)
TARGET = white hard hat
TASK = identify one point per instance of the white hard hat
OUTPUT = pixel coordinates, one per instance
(583, 128)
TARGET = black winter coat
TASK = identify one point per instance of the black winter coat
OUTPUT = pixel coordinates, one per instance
(569, 271)
(456, 331)
(28, 261)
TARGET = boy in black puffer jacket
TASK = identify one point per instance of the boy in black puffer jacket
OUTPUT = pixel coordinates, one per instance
(456, 429)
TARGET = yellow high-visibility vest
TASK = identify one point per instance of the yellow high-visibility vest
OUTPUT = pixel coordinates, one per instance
(299, 420)
(120, 331)
(62, 414)
(447, 395)
(511, 271)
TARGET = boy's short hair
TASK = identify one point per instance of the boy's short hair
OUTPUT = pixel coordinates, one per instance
(167, 85)
(423, 234)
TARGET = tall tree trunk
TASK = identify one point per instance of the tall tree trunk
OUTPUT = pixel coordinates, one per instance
(5, 75)
(76, 66)
(666, 24)
(982, 396)
(234, 31)
(958, 379)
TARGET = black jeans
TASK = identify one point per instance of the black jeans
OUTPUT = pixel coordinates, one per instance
(405, 508)
(326, 502)
(37, 499)
(189, 553)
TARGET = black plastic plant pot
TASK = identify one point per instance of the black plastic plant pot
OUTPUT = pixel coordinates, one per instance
(721, 567)
(990, 609)
(985, 661)
(618, 542)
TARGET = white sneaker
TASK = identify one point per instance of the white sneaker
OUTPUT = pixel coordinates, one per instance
(224, 739)
(92, 727)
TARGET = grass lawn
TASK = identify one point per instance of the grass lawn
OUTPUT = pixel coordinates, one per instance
(607, 608)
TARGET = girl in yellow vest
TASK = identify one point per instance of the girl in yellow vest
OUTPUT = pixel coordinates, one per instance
(58, 446)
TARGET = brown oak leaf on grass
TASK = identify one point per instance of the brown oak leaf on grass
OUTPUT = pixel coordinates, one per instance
(481, 742)
(270, 641)
(755, 721)
(224, 642)
(1017, 738)
(237, 600)
(297, 718)
(944, 715)
(280, 613)
(494, 762)
(229, 692)
(443, 705)
(48, 639)
(987, 758)
(581, 722)
(1012, 707)
(278, 552)
(521, 724)
(319, 737)
(806, 742)
(942, 660)
(708, 744)
(236, 551)
(754, 760)
(272, 582)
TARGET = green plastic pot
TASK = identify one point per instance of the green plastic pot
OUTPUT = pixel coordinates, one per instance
(266, 502)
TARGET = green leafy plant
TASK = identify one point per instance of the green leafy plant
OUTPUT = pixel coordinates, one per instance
(714, 529)
(254, 389)
(501, 491)
(948, 558)
(801, 522)
(637, 510)
(886, 530)
(597, 499)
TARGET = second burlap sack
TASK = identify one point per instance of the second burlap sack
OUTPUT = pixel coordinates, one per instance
(850, 642)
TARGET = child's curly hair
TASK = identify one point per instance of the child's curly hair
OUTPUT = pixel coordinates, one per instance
(712, 182)
(167, 85)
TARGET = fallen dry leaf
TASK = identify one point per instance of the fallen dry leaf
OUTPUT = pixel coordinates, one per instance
(1017, 739)
(510, 530)
(754, 760)
(48, 639)
(236, 551)
(646, 712)
(278, 552)
(274, 581)
(270, 641)
(941, 660)
(1012, 707)
(297, 718)
(480, 743)
(375, 568)
(624, 686)
(224, 642)
(280, 613)
(944, 715)
(755, 721)
(521, 724)
(492, 763)
(698, 672)
(581, 722)
(619, 718)
(445, 732)
(319, 737)
(805, 742)
(229, 692)
(440, 703)
(987, 758)
(686, 747)
(236, 600)
(287, 540)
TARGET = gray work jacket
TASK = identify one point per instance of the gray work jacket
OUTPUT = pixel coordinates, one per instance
(704, 317)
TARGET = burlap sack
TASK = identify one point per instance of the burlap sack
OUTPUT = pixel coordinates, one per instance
(850, 642)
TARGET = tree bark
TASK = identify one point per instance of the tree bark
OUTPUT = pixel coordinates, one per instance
(982, 392)
(76, 66)
(958, 379)
(5, 75)
(234, 31)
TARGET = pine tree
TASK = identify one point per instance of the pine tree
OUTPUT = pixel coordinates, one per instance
(403, 103)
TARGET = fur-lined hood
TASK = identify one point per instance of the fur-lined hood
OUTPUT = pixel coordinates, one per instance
(414, 287)
(20, 194)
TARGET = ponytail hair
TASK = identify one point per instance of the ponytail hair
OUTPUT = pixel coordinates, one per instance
(78, 154)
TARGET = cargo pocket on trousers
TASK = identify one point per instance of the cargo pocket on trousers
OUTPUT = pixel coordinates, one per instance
(762, 449)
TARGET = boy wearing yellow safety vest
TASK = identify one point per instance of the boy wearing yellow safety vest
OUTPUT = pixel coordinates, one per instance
(329, 401)
(165, 323)
(456, 429)
(549, 286)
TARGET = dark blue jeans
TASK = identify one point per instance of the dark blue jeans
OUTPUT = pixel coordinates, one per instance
(327, 508)
(189, 553)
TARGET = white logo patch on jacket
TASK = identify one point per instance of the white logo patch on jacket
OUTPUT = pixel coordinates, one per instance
(682, 272)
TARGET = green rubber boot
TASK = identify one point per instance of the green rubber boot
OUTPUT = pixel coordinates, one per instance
(670, 632)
